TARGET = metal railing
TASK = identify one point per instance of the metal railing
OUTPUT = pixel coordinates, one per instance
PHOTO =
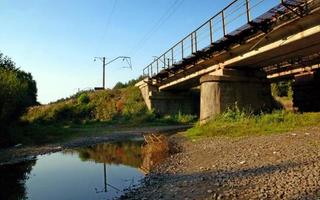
(225, 23)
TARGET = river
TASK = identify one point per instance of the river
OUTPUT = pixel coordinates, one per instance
(102, 171)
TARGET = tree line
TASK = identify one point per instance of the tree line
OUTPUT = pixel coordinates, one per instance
(18, 91)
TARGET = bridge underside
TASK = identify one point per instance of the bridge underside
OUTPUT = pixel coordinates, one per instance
(295, 41)
(220, 90)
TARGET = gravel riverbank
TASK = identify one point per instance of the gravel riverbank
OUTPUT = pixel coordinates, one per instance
(283, 166)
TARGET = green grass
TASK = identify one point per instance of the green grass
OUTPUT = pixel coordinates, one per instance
(238, 124)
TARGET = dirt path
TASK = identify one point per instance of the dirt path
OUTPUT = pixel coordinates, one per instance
(22, 153)
(285, 166)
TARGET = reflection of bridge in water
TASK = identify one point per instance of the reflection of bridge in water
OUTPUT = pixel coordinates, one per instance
(235, 55)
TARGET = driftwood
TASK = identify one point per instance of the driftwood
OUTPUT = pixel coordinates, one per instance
(154, 151)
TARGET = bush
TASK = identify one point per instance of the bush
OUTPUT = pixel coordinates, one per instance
(133, 102)
(18, 91)
(108, 105)
(83, 98)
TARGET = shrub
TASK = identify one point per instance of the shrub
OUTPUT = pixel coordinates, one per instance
(133, 102)
(282, 89)
(83, 98)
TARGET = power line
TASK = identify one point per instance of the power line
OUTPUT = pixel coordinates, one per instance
(110, 16)
(156, 27)
(108, 22)
(172, 9)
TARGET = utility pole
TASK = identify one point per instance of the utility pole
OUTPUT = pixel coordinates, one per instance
(103, 59)
(104, 73)
(104, 64)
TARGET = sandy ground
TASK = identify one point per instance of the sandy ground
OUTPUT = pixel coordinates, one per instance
(283, 166)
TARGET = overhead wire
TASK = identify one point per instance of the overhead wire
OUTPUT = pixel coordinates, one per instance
(108, 22)
(172, 9)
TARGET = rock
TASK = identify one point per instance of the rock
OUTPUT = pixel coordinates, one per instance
(209, 191)
(220, 196)
(185, 183)
(17, 145)
(242, 162)
(57, 148)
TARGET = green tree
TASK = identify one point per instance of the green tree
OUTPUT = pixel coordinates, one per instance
(17, 91)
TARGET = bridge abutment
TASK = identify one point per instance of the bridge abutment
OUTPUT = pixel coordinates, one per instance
(306, 92)
(169, 102)
(248, 89)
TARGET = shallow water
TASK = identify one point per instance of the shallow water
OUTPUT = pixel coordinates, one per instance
(101, 171)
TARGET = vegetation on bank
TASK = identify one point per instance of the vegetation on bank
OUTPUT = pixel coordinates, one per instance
(91, 113)
(17, 91)
(237, 123)
(116, 106)
(23, 120)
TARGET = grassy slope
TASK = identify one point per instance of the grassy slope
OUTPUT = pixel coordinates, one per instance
(237, 124)
(90, 114)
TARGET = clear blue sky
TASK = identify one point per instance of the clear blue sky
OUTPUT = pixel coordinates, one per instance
(56, 40)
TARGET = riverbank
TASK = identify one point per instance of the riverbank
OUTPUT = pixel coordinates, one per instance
(21, 152)
(277, 166)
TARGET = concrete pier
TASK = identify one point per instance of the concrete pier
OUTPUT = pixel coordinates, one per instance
(247, 89)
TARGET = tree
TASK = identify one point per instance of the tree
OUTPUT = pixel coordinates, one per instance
(18, 90)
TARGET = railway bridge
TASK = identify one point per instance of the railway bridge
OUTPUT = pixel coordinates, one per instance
(233, 57)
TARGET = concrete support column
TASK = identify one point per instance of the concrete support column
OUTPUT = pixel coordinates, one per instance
(248, 89)
(169, 102)
(306, 92)
(147, 88)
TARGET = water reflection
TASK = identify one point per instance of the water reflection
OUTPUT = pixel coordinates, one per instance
(139, 154)
(125, 153)
(12, 180)
(101, 171)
